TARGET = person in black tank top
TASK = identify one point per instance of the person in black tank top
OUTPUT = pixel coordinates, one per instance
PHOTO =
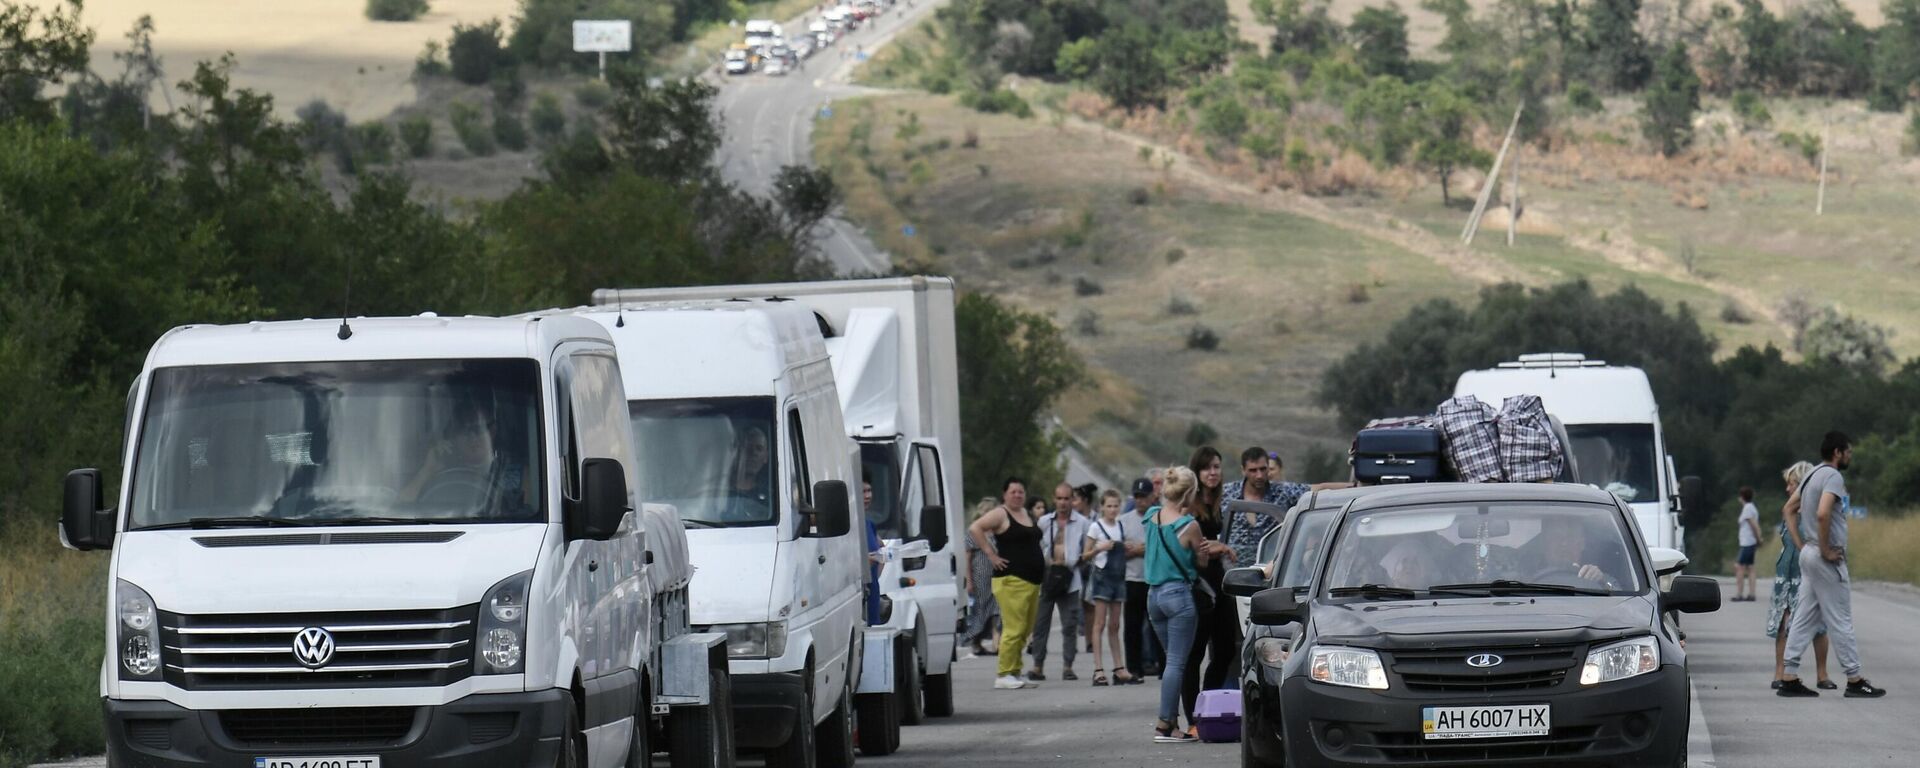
(1010, 540)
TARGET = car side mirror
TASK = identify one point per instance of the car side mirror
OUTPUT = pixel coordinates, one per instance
(83, 524)
(1277, 606)
(1244, 582)
(933, 526)
(1691, 594)
(832, 512)
(603, 501)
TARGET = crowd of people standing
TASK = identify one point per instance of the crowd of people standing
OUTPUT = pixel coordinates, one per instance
(1140, 575)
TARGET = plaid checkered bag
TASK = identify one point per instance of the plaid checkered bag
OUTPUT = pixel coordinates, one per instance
(1529, 450)
(1473, 441)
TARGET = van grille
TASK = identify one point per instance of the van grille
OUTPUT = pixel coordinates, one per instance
(339, 727)
(1522, 668)
(370, 649)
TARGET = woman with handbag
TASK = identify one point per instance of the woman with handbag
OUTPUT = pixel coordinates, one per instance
(1175, 556)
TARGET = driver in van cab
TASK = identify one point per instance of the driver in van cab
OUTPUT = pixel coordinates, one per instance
(748, 491)
(459, 466)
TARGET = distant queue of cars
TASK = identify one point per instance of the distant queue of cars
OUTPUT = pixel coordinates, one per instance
(766, 48)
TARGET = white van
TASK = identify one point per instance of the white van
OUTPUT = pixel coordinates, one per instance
(1613, 425)
(738, 427)
(400, 541)
(895, 362)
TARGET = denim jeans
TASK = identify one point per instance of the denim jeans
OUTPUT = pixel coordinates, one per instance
(1170, 609)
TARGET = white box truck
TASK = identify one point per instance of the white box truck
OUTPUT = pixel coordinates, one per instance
(398, 542)
(896, 364)
(738, 427)
(1613, 425)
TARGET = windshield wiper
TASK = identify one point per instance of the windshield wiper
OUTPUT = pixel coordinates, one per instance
(1509, 586)
(1374, 592)
(244, 521)
(374, 520)
(690, 523)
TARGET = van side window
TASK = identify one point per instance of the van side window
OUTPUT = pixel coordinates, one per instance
(600, 408)
(924, 487)
(797, 448)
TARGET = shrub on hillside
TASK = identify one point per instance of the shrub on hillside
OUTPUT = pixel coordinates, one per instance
(373, 142)
(549, 120)
(432, 61)
(475, 52)
(473, 133)
(1751, 109)
(1202, 338)
(416, 133)
(1084, 286)
(1087, 322)
(396, 10)
(997, 101)
(593, 94)
(1201, 433)
(1911, 145)
(1581, 98)
(1178, 305)
(508, 130)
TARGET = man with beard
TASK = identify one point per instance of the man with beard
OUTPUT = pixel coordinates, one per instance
(1826, 599)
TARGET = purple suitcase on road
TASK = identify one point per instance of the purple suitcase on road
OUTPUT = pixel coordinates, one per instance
(1218, 716)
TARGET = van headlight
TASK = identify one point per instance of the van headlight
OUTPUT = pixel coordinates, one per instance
(502, 632)
(1272, 651)
(758, 640)
(138, 639)
(1619, 661)
(1353, 667)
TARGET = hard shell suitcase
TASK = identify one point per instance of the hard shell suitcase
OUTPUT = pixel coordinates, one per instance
(1217, 715)
(1398, 455)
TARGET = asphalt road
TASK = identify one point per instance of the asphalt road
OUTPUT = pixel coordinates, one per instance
(769, 123)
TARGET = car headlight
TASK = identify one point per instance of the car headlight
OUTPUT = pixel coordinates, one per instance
(1272, 651)
(759, 640)
(1619, 661)
(1354, 667)
(502, 631)
(138, 639)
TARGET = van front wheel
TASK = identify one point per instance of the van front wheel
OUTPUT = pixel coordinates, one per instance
(573, 743)
(835, 735)
(702, 737)
(798, 752)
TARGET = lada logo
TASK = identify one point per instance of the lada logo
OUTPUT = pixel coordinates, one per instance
(313, 647)
(1484, 660)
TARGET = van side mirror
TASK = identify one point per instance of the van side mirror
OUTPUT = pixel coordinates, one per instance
(83, 524)
(832, 511)
(603, 501)
(1691, 594)
(933, 526)
(1693, 502)
(1244, 582)
(1274, 607)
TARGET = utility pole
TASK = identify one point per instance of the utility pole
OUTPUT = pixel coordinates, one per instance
(1513, 203)
(1493, 176)
(1826, 138)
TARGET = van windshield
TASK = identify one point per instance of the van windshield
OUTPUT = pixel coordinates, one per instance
(317, 443)
(1499, 548)
(1618, 458)
(713, 459)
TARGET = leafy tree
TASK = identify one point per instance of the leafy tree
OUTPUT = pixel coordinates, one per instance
(1751, 109)
(1615, 52)
(1379, 38)
(1131, 73)
(1671, 101)
(665, 132)
(1446, 143)
(38, 48)
(1382, 120)
(1013, 366)
(416, 133)
(475, 52)
(396, 10)
(1302, 25)
(807, 196)
(1896, 56)
(543, 32)
(1224, 117)
(1769, 60)
(1846, 341)
(549, 120)
(1831, 49)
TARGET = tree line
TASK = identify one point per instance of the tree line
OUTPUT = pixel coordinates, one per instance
(1734, 421)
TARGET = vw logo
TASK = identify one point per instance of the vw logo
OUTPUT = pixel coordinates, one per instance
(1484, 660)
(313, 647)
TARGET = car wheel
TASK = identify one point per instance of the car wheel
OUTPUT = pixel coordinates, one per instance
(573, 742)
(878, 728)
(799, 750)
(833, 739)
(913, 710)
(640, 746)
(702, 737)
(937, 691)
(1251, 751)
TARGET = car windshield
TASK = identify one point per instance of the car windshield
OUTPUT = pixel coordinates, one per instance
(1507, 547)
(1617, 457)
(713, 458)
(429, 441)
(1304, 545)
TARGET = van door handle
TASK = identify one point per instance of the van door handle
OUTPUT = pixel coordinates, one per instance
(822, 559)
(593, 565)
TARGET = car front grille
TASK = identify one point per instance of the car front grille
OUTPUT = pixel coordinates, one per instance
(345, 727)
(1522, 668)
(370, 649)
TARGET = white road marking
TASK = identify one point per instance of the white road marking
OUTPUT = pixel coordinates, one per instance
(1699, 738)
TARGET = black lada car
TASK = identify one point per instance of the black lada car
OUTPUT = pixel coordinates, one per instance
(1488, 624)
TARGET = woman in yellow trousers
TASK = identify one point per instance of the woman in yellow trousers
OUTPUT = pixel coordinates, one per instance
(1010, 541)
